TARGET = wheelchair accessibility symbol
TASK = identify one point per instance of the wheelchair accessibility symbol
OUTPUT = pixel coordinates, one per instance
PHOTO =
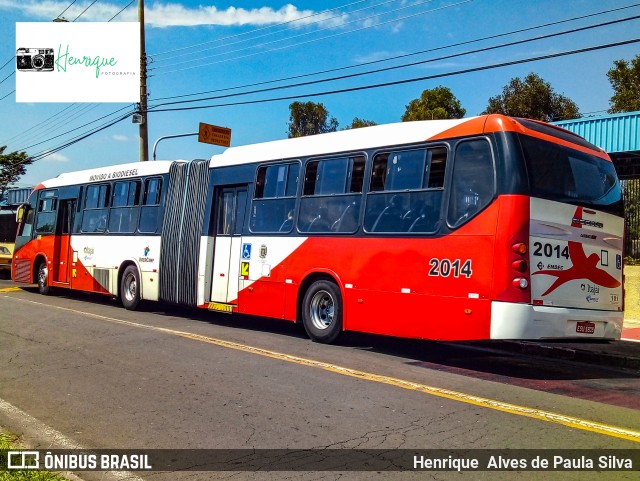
(246, 251)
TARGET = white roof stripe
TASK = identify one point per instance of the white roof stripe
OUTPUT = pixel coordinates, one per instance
(120, 171)
(342, 141)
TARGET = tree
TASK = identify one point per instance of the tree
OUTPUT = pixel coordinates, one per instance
(310, 118)
(437, 103)
(12, 166)
(532, 98)
(358, 123)
(625, 80)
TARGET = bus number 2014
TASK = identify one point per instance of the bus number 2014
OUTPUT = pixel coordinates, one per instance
(548, 250)
(446, 268)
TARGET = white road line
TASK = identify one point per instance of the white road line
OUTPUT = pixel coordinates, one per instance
(38, 432)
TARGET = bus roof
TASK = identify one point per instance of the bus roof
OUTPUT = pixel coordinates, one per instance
(393, 134)
(113, 172)
(341, 141)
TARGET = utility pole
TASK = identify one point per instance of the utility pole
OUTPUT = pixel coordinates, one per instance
(144, 131)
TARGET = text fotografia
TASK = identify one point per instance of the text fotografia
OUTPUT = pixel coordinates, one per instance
(311, 460)
(65, 60)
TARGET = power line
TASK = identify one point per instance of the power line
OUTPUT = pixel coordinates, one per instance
(43, 122)
(289, 37)
(199, 65)
(265, 28)
(7, 62)
(58, 124)
(346, 90)
(45, 153)
(127, 6)
(412, 64)
(405, 81)
(82, 13)
(397, 57)
(68, 6)
(7, 77)
(84, 125)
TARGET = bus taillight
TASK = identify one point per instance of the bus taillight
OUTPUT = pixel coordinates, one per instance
(520, 248)
(520, 265)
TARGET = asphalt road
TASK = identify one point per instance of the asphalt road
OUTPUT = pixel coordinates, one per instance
(105, 377)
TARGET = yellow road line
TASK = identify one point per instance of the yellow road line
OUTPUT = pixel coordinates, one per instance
(10, 289)
(542, 415)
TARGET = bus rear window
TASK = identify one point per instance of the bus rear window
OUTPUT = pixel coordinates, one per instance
(567, 175)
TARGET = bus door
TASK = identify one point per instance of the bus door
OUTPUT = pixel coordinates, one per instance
(230, 210)
(62, 241)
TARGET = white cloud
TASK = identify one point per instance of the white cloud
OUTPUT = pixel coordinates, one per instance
(173, 14)
(120, 138)
(55, 157)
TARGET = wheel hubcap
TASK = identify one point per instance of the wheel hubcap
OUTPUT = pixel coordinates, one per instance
(130, 287)
(42, 275)
(321, 310)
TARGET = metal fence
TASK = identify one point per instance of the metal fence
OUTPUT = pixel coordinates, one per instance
(631, 190)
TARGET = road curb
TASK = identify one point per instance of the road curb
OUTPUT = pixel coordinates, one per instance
(589, 353)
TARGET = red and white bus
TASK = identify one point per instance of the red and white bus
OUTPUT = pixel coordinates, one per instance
(480, 228)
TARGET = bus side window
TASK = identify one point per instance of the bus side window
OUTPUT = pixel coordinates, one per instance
(472, 186)
(274, 198)
(405, 191)
(332, 195)
(123, 216)
(46, 215)
(95, 213)
(150, 206)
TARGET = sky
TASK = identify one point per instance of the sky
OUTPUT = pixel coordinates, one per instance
(202, 49)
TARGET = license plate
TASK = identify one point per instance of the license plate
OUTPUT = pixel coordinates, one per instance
(585, 327)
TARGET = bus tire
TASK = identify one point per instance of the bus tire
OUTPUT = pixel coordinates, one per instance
(43, 279)
(322, 311)
(130, 288)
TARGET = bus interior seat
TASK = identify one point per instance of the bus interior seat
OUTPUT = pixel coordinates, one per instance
(347, 222)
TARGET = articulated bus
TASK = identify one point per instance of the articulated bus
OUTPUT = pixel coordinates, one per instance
(481, 228)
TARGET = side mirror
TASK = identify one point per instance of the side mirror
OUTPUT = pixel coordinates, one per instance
(21, 214)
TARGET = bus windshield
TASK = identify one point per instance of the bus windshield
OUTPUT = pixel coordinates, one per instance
(567, 175)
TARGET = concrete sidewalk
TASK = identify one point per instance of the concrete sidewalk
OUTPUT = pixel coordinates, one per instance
(631, 330)
(620, 354)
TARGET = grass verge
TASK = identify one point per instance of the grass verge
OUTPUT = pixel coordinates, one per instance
(11, 442)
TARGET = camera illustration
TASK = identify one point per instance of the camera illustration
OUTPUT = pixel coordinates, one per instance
(34, 59)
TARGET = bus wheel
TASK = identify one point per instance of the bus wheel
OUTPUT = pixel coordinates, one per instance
(130, 288)
(43, 279)
(322, 311)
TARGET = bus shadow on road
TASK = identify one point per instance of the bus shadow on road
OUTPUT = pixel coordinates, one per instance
(491, 360)
(487, 359)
